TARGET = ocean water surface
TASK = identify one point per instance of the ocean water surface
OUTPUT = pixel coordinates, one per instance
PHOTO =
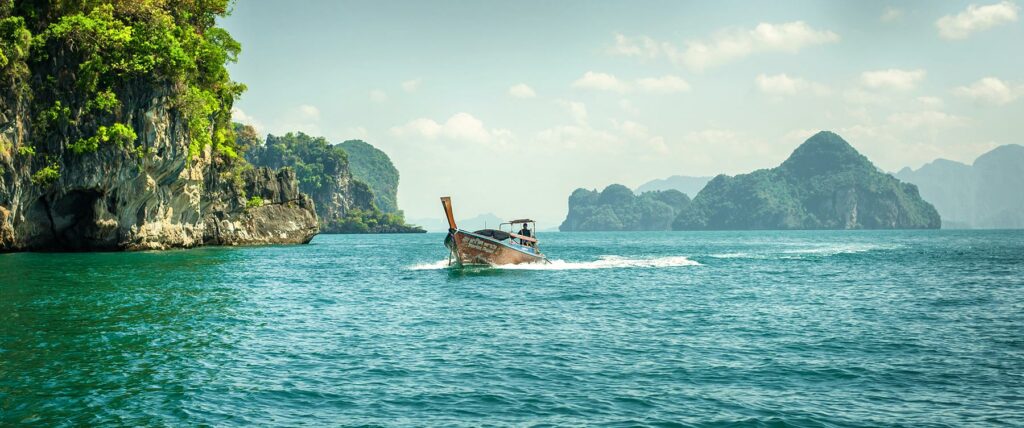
(822, 328)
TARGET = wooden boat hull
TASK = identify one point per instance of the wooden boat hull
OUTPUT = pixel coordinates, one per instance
(468, 248)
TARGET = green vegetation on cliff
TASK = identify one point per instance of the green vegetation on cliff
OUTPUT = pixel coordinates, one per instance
(372, 166)
(344, 204)
(81, 65)
(617, 208)
(825, 184)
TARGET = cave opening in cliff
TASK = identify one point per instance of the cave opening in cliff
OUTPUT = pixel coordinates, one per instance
(73, 221)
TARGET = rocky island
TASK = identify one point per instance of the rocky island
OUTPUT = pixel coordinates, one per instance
(354, 189)
(824, 184)
(617, 208)
(116, 133)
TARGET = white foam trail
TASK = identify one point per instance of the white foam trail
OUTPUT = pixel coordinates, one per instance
(798, 253)
(440, 264)
(607, 262)
(604, 262)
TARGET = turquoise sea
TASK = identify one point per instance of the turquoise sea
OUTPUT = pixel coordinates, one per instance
(809, 328)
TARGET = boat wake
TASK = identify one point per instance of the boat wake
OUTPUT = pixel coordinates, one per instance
(603, 262)
(800, 253)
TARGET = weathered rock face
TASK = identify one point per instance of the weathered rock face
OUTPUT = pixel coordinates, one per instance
(149, 195)
(327, 176)
(265, 207)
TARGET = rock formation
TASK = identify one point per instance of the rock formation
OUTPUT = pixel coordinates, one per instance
(617, 208)
(344, 203)
(825, 184)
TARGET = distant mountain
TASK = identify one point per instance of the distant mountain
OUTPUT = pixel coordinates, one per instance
(481, 221)
(374, 167)
(617, 208)
(987, 194)
(825, 184)
(689, 185)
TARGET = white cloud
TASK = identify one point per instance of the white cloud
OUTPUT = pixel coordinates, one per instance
(639, 136)
(577, 110)
(859, 95)
(237, 115)
(378, 96)
(976, 18)
(711, 136)
(521, 90)
(628, 107)
(631, 129)
(729, 45)
(663, 84)
(607, 82)
(309, 112)
(891, 14)
(459, 127)
(930, 119)
(304, 117)
(933, 102)
(600, 82)
(988, 90)
(782, 84)
(412, 85)
(569, 136)
(895, 79)
(627, 135)
(643, 46)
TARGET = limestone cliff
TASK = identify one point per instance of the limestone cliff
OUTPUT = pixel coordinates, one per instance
(344, 203)
(115, 133)
(263, 207)
(115, 199)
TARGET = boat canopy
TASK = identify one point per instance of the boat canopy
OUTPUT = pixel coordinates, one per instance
(499, 235)
(522, 220)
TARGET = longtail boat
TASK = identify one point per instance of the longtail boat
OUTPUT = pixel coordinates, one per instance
(490, 247)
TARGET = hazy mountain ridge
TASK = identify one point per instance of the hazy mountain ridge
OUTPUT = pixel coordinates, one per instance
(686, 184)
(480, 221)
(986, 194)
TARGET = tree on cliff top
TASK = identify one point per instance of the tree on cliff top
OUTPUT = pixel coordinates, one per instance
(88, 61)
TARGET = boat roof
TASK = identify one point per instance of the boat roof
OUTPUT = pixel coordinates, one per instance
(522, 220)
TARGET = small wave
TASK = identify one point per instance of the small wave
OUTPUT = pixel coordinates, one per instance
(835, 249)
(604, 262)
(732, 255)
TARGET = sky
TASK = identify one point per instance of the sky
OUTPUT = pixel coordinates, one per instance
(510, 106)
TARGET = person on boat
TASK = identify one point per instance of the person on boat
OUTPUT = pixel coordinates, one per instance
(525, 231)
